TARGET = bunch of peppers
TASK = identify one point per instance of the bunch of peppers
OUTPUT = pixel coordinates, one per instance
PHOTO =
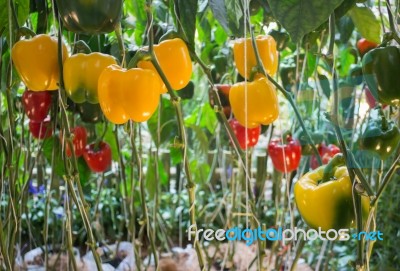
(254, 102)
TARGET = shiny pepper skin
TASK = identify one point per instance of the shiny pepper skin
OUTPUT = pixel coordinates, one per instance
(364, 46)
(262, 102)
(81, 75)
(36, 104)
(128, 94)
(36, 61)
(268, 53)
(381, 135)
(324, 198)
(41, 130)
(285, 157)
(381, 71)
(98, 157)
(79, 140)
(92, 17)
(247, 137)
(326, 153)
(174, 59)
(328, 205)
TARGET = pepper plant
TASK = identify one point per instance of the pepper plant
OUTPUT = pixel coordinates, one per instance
(135, 120)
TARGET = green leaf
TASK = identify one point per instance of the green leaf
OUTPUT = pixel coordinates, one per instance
(48, 145)
(84, 171)
(208, 118)
(341, 10)
(346, 59)
(138, 10)
(300, 17)
(151, 175)
(230, 16)
(235, 12)
(200, 141)
(346, 27)
(168, 125)
(219, 11)
(176, 155)
(204, 27)
(200, 171)
(21, 8)
(203, 117)
(366, 23)
(187, 17)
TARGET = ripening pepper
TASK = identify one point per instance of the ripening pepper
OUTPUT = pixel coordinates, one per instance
(92, 17)
(81, 74)
(243, 53)
(381, 71)
(36, 61)
(381, 135)
(128, 94)
(259, 107)
(90, 113)
(174, 59)
(285, 155)
(325, 200)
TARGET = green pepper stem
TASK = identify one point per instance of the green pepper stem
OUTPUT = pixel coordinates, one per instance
(330, 168)
(121, 45)
(385, 124)
(26, 32)
(81, 47)
(140, 55)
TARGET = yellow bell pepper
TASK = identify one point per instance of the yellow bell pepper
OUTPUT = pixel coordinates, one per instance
(243, 52)
(327, 204)
(174, 59)
(81, 74)
(36, 61)
(262, 102)
(128, 94)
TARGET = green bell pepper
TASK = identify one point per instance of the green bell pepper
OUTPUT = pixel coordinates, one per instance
(90, 113)
(92, 17)
(382, 73)
(381, 135)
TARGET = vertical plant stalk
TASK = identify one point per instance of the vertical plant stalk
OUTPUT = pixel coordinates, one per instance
(191, 187)
(68, 227)
(145, 216)
(348, 157)
(12, 221)
(48, 189)
(81, 204)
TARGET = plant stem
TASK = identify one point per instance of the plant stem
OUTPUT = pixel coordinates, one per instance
(182, 136)
(82, 205)
(386, 179)
(145, 216)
